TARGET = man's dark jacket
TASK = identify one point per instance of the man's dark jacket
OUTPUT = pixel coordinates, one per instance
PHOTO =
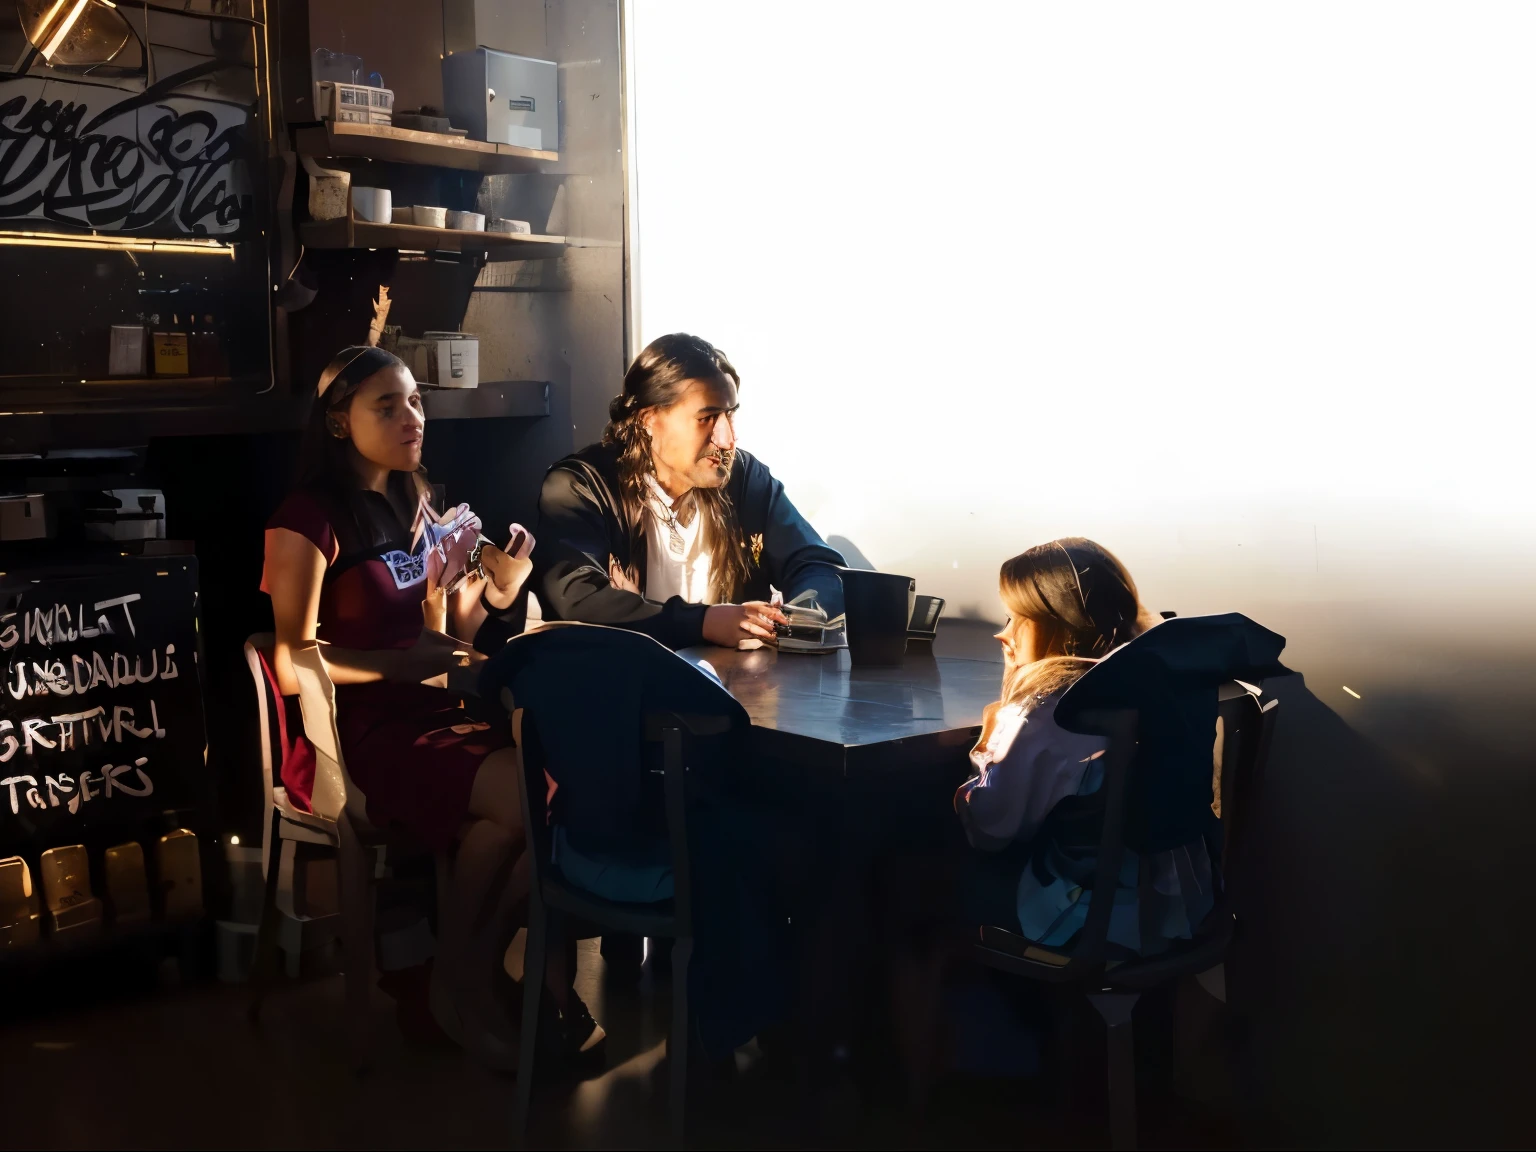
(581, 527)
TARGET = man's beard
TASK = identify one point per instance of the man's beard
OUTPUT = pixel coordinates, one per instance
(720, 463)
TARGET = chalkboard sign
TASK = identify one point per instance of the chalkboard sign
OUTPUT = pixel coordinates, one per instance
(101, 713)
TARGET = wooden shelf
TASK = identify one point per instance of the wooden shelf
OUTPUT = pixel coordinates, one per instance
(492, 398)
(407, 146)
(345, 233)
(121, 412)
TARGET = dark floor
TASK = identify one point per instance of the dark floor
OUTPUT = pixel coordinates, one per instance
(172, 1066)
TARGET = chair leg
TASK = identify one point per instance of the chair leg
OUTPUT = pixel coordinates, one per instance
(677, 1039)
(1115, 1008)
(265, 959)
(355, 873)
(292, 873)
(535, 960)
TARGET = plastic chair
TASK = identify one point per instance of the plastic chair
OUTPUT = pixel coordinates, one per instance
(338, 820)
(1113, 987)
(552, 900)
(296, 831)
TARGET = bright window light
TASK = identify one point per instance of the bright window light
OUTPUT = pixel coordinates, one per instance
(1243, 292)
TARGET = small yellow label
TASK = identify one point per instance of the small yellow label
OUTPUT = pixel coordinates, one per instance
(170, 353)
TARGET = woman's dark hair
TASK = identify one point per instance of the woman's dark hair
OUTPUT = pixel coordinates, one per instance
(328, 461)
(657, 379)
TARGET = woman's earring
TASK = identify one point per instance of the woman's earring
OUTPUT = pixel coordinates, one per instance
(336, 429)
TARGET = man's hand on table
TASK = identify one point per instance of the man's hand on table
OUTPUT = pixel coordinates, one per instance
(728, 624)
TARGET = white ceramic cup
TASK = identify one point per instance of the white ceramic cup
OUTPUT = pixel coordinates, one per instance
(372, 204)
(426, 216)
(467, 221)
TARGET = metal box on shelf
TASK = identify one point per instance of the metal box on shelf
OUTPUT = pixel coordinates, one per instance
(502, 98)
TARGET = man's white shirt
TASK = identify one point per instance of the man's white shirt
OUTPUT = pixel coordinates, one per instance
(669, 573)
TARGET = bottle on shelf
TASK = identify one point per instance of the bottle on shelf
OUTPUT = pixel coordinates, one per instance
(171, 349)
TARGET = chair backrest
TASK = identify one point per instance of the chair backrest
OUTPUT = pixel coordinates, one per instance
(1247, 727)
(259, 646)
(334, 791)
(676, 736)
(588, 689)
(1157, 703)
(1170, 675)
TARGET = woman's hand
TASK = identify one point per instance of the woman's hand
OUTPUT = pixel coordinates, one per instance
(507, 569)
(729, 624)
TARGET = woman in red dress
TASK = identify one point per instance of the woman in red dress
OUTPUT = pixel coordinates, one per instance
(346, 567)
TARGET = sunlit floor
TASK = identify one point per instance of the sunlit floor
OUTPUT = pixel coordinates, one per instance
(173, 1066)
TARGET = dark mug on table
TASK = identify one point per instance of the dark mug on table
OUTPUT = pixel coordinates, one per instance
(879, 608)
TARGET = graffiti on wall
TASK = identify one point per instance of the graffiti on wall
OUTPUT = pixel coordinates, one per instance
(92, 156)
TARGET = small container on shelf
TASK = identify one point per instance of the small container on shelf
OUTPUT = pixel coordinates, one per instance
(172, 353)
(455, 359)
(353, 103)
(373, 204)
(74, 913)
(326, 66)
(125, 353)
(20, 920)
(442, 359)
(428, 216)
(127, 884)
(30, 516)
(467, 221)
(181, 875)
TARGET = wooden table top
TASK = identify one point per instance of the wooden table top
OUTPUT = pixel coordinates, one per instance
(822, 712)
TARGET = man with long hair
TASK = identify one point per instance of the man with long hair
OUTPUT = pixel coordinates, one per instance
(666, 526)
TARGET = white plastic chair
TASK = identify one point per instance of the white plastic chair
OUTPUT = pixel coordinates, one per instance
(338, 819)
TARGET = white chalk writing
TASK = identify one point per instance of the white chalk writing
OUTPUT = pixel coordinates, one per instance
(88, 670)
(61, 624)
(58, 733)
(72, 792)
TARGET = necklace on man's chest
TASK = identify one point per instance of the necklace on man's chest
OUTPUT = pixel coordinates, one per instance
(676, 519)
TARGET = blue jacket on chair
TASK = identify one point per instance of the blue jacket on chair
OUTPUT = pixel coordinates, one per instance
(589, 687)
(1171, 674)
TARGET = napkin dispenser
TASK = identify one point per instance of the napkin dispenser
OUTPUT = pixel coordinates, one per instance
(926, 611)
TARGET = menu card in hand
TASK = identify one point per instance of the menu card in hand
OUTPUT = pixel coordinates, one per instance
(809, 629)
(451, 541)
